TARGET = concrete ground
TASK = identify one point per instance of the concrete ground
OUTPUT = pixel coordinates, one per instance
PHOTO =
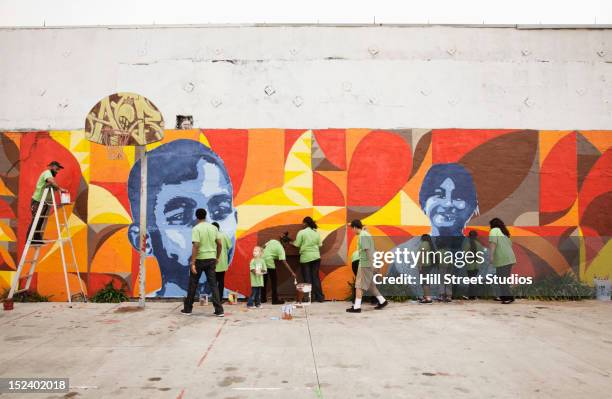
(461, 350)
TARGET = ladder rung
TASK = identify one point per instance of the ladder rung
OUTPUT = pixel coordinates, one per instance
(27, 276)
(20, 291)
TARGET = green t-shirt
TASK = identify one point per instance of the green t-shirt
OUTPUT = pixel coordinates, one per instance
(205, 234)
(257, 280)
(41, 184)
(424, 259)
(365, 242)
(309, 241)
(503, 254)
(355, 256)
(467, 248)
(223, 263)
(273, 250)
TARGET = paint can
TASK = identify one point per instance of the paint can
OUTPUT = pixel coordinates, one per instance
(287, 312)
(65, 198)
(602, 288)
(8, 304)
(203, 299)
(232, 298)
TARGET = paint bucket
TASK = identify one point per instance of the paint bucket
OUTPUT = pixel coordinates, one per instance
(203, 299)
(303, 288)
(287, 312)
(65, 198)
(232, 298)
(8, 304)
(602, 288)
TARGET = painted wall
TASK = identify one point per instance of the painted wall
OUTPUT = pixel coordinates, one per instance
(554, 188)
(319, 77)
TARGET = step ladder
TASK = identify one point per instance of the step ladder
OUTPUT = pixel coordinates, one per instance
(31, 251)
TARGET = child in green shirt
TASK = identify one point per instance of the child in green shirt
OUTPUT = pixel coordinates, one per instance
(258, 269)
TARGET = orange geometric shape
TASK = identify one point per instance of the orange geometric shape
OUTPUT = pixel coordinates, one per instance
(264, 165)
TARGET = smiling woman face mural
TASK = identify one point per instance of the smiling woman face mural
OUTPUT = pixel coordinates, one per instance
(448, 198)
(184, 175)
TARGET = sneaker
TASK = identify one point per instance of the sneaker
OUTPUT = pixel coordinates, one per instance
(507, 301)
(498, 299)
(186, 312)
(258, 306)
(250, 306)
(353, 310)
(425, 301)
(465, 297)
(381, 305)
(219, 314)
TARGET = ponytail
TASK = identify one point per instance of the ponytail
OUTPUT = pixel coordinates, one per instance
(309, 222)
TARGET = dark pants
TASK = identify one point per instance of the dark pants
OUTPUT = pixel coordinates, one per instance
(38, 231)
(255, 298)
(270, 279)
(208, 267)
(220, 283)
(504, 289)
(474, 289)
(310, 273)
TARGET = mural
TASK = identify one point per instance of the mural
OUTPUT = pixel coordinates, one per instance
(553, 189)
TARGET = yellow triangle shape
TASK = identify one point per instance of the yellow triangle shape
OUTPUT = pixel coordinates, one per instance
(305, 157)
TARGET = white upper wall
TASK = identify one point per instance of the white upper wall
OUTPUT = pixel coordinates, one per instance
(317, 77)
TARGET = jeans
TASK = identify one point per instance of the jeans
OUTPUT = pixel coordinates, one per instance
(220, 283)
(504, 289)
(270, 279)
(310, 273)
(255, 297)
(208, 267)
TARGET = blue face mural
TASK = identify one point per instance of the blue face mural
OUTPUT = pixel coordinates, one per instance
(448, 198)
(183, 175)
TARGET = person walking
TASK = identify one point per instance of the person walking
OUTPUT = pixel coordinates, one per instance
(205, 253)
(274, 250)
(501, 256)
(308, 241)
(365, 274)
(46, 179)
(223, 263)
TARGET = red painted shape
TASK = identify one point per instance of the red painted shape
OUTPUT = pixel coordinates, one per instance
(380, 166)
(597, 182)
(232, 145)
(237, 276)
(291, 136)
(333, 144)
(558, 176)
(325, 192)
(450, 145)
(36, 151)
(6, 211)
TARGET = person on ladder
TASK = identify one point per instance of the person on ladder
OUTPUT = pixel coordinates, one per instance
(46, 178)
